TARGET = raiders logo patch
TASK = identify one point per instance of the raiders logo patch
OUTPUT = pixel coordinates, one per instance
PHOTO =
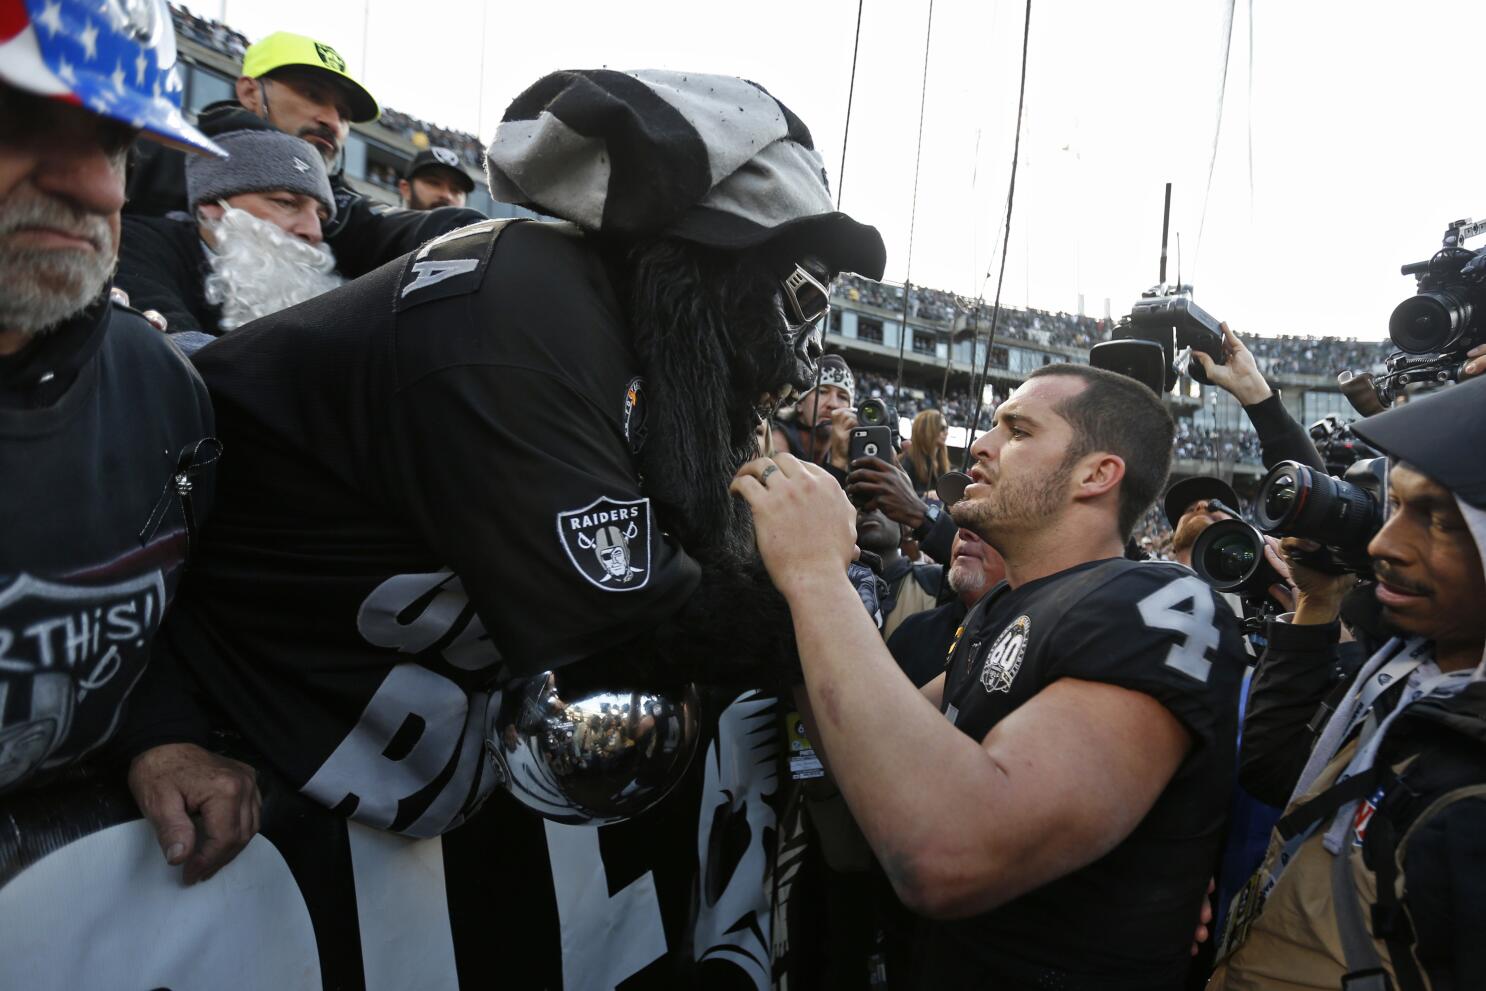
(1004, 659)
(608, 541)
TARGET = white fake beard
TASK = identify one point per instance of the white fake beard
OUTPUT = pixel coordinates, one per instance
(257, 269)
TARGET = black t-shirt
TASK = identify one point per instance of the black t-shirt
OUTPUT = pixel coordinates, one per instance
(92, 533)
(1125, 920)
(921, 643)
(430, 486)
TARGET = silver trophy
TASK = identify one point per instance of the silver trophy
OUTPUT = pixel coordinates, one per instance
(601, 758)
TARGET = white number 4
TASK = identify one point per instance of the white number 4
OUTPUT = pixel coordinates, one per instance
(1160, 612)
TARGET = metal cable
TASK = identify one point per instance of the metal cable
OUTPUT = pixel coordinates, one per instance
(923, 93)
(1005, 247)
(850, 92)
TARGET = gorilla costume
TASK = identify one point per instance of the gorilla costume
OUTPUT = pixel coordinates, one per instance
(508, 454)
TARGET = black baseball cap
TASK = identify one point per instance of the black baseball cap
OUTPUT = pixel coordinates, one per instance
(1440, 434)
(442, 158)
(1194, 489)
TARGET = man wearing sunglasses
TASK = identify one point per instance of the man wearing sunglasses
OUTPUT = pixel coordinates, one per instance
(509, 453)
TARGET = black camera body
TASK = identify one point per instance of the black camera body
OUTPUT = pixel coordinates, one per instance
(1172, 320)
(1229, 556)
(1343, 514)
(1434, 328)
(1339, 445)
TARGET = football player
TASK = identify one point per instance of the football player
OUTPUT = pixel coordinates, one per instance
(1057, 807)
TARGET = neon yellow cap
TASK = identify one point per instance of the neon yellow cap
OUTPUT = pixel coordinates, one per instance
(281, 50)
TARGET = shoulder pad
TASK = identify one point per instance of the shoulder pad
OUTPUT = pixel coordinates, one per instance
(452, 264)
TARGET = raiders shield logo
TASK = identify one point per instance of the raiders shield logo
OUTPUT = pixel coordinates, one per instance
(1004, 659)
(446, 157)
(330, 57)
(608, 541)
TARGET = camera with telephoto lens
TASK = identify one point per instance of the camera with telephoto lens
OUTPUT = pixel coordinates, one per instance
(1170, 318)
(1434, 328)
(1342, 514)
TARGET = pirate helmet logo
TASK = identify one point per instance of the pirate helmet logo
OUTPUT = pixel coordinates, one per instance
(446, 157)
(608, 541)
(330, 57)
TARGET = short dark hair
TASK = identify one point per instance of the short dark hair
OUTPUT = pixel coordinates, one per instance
(1117, 414)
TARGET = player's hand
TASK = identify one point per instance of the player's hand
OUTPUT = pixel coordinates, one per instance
(875, 484)
(1239, 375)
(842, 420)
(1477, 363)
(204, 807)
(1204, 918)
(804, 524)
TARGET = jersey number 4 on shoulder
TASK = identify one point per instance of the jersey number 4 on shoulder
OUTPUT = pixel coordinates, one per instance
(1185, 607)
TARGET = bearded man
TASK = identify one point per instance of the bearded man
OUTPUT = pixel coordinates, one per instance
(509, 452)
(253, 247)
(1056, 808)
(105, 448)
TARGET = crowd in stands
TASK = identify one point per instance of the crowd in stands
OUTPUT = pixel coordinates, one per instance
(1283, 355)
(204, 31)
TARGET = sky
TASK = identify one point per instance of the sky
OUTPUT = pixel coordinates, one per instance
(1349, 134)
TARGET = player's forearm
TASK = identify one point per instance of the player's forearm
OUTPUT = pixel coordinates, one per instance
(904, 769)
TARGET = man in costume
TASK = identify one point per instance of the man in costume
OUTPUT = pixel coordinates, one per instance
(508, 453)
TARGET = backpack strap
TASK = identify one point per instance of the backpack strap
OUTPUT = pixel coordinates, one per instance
(1326, 804)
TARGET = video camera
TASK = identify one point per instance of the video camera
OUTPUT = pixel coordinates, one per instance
(1162, 322)
(1338, 444)
(1434, 328)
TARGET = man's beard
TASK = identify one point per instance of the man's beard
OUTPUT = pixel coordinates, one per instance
(1188, 529)
(1015, 504)
(44, 287)
(711, 337)
(258, 269)
(966, 577)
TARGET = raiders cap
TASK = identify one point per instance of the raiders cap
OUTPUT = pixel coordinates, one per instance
(1190, 490)
(440, 158)
(1440, 433)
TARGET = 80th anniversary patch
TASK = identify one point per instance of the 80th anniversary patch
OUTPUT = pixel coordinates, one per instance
(608, 541)
(1004, 659)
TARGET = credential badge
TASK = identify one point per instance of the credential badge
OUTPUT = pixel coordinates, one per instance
(608, 541)
(1004, 659)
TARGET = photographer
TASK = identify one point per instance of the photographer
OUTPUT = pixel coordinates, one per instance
(1280, 437)
(1373, 875)
(1056, 809)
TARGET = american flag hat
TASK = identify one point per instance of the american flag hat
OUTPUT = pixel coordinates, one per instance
(114, 57)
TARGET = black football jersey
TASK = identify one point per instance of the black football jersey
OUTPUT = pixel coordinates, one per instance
(1125, 920)
(429, 486)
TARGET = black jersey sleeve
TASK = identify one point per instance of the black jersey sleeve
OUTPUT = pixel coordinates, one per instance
(509, 454)
(1158, 629)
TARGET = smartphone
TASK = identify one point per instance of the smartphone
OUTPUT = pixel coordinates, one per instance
(870, 442)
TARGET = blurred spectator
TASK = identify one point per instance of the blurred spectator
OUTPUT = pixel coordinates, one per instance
(806, 431)
(925, 457)
(911, 588)
(434, 180)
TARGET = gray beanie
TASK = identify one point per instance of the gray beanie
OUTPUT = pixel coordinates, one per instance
(258, 161)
